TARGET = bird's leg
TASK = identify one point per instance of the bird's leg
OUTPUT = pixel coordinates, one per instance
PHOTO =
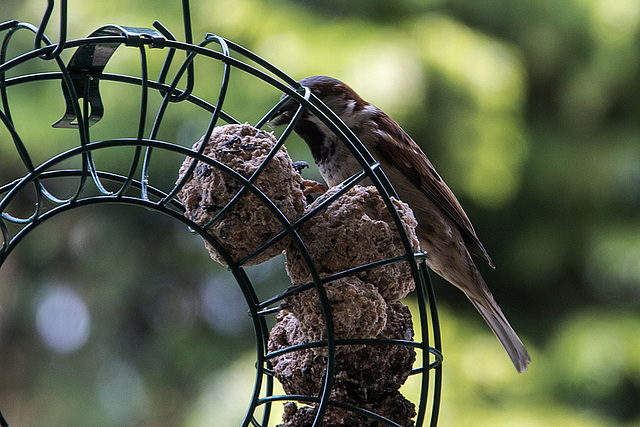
(309, 187)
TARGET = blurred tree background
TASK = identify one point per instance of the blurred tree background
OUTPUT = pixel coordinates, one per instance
(529, 109)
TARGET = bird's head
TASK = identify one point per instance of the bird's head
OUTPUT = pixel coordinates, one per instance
(339, 97)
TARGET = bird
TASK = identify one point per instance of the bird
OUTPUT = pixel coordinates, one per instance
(444, 229)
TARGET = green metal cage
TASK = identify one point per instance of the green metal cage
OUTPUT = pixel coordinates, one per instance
(79, 80)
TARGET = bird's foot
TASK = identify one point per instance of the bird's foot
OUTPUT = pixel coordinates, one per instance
(313, 187)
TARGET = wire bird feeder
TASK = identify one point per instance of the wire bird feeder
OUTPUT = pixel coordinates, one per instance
(79, 79)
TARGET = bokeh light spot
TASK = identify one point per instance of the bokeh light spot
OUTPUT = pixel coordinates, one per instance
(121, 392)
(223, 306)
(62, 319)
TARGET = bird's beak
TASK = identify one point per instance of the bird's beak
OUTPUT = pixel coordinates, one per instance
(285, 113)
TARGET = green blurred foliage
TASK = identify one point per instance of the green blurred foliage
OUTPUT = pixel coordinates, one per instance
(529, 109)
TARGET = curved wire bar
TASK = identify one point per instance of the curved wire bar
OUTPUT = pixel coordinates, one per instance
(188, 64)
(39, 37)
(142, 192)
(41, 191)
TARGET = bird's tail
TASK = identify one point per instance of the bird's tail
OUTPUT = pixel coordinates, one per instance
(503, 330)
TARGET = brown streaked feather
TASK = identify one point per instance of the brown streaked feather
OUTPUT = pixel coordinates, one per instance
(409, 158)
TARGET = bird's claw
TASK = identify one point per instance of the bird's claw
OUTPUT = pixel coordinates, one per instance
(299, 165)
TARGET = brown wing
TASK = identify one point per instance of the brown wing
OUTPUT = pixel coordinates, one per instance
(409, 158)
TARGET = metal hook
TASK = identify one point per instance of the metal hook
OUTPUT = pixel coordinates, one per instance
(167, 63)
(37, 43)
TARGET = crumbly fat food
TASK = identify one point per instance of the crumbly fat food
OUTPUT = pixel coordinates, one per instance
(356, 229)
(368, 377)
(250, 223)
(357, 310)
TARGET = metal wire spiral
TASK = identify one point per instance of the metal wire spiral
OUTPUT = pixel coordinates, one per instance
(79, 80)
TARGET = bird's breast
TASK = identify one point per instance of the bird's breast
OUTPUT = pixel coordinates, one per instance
(335, 162)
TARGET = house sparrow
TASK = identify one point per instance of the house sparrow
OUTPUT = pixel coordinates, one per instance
(444, 230)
